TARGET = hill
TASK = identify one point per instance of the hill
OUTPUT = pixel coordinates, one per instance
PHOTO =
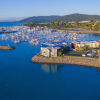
(40, 19)
(78, 17)
(66, 18)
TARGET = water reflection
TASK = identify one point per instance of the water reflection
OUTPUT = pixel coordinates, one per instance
(96, 34)
(98, 70)
(51, 68)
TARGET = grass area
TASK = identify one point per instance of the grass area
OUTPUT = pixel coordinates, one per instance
(74, 54)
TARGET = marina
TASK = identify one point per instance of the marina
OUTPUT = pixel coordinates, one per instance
(43, 36)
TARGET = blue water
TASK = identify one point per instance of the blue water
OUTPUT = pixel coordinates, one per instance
(20, 79)
(8, 24)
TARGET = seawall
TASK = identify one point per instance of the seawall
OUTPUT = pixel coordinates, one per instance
(84, 61)
(6, 48)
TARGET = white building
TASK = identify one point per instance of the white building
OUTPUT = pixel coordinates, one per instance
(85, 21)
(50, 51)
(45, 52)
(91, 44)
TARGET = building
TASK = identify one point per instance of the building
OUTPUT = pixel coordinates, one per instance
(45, 52)
(72, 22)
(85, 21)
(98, 51)
(91, 44)
(50, 51)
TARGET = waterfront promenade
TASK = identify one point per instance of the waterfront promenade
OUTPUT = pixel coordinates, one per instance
(84, 61)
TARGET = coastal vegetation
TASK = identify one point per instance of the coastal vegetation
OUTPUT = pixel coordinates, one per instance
(73, 22)
(90, 25)
(97, 27)
(63, 51)
(84, 48)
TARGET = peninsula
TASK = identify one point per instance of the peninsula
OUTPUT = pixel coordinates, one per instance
(83, 53)
(84, 61)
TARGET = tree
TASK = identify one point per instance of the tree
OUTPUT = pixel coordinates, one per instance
(92, 21)
(85, 48)
(97, 27)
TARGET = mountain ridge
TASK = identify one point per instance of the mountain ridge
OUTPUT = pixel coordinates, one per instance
(65, 18)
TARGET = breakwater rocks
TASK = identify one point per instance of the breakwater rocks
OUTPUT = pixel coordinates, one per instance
(6, 48)
(84, 61)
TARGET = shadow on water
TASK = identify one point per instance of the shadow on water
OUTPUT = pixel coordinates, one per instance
(96, 34)
(51, 68)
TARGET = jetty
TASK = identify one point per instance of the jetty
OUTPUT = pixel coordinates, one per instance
(73, 60)
(6, 48)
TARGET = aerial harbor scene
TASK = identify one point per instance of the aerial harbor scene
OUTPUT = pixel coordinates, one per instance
(49, 50)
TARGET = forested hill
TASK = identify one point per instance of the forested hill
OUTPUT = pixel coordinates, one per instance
(40, 19)
(78, 17)
(66, 18)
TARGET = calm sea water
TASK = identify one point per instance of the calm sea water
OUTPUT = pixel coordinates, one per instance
(20, 79)
(7, 24)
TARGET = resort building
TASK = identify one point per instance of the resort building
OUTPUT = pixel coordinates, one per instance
(86, 21)
(91, 44)
(72, 22)
(98, 51)
(50, 51)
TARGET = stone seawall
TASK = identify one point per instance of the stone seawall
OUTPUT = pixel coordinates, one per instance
(84, 61)
(5, 48)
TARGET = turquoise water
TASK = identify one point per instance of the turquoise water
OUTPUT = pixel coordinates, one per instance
(20, 79)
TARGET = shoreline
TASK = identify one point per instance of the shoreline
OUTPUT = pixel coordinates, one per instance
(75, 30)
(79, 31)
(69, 60)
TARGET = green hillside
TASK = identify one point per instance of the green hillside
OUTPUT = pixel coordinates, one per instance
(66, 18)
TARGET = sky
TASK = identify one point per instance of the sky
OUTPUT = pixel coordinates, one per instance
(28, 8)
